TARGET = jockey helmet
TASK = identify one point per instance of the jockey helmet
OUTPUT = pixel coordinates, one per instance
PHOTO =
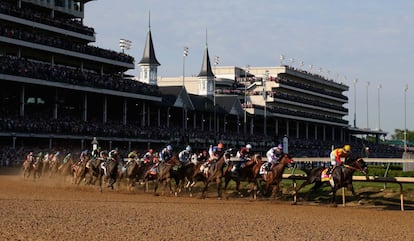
(248, 146)
(69, 154)
(150, 151)
(31, 153)
(169, 147)
(57, 153)
(113, 153)
(347, 148)
(132, 155)
(280, 146)
(188, 148)
(220, 145)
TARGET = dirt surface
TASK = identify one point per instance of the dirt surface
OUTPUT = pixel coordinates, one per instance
(51, 209)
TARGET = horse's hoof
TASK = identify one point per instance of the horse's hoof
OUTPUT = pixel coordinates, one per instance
(294, 203)
(219, 198)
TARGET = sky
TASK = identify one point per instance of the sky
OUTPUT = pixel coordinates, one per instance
(371, 41)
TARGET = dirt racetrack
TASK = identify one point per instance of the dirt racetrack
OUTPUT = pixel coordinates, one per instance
(50, 209)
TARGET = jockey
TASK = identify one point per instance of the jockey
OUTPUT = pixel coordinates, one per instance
(273, 156)
(215, 152)
(131, 157)
(185, 155)
(202, 156)
(166, 153)
(83, 155)
(336, 156)
(67, 157)
(244, 155)
(30, 157)
(103, 155)
(149, 156)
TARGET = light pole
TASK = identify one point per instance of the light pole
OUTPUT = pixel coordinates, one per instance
(405, 117)
(216, 62)
(125, 44)
(355, 94)
(282, 58)
(245, 100)
(185, 53)
(379, 107)
(266, 77)
(367, 103)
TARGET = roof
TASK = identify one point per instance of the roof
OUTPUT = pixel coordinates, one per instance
(149, 54)
(176, 96)
(206, 66)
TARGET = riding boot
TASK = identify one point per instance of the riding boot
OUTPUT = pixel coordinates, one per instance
(329, 171)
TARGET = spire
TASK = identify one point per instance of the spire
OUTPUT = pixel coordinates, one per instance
(149, 54)
(206, 65)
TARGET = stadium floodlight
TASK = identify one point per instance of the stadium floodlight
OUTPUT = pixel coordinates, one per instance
(125, 44)
(355, 94)
(282, 58)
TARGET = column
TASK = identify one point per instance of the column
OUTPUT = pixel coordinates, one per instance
(159, 117)
(316, 132)
(307, 131)
(287, 128)
(22, 100)
(125, 112)
(55, 105)
(143, 115)
(324, 133)
(297, 129)
(333, 133)
(105, 109)
(85, 107)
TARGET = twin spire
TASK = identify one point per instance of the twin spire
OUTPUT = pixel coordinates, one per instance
(149, 62)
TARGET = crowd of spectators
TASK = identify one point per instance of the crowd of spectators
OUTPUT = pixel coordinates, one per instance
(55, 41)
(45, 71)
(29, 13)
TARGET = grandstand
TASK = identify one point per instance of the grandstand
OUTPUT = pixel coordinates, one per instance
(59, 90)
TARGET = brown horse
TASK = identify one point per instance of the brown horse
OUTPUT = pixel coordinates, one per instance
(248, 172)
(163, 173)
(130, 172)
(274, 176)
(27, 168)
(215, 173)
(80, 170)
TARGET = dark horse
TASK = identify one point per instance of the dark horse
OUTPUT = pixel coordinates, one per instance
(274, 176)
(162, 174)
(186, 174)
(341, 176)
(248, 172)
(215, 173)
(109, 171)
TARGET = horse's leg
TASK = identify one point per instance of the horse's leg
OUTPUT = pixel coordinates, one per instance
(203, 193)
(219, 191)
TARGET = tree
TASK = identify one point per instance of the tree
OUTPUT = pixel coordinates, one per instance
(399, 135)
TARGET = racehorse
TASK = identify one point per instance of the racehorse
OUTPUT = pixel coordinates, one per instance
(162, 174)
(27, 168)
(215, 173)
(274, 176)
(341, 176)
(80, 169)
(186, 173)
(248, 172)
(54, 165)
(130, 172)
(65, 169)
(109, 171)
